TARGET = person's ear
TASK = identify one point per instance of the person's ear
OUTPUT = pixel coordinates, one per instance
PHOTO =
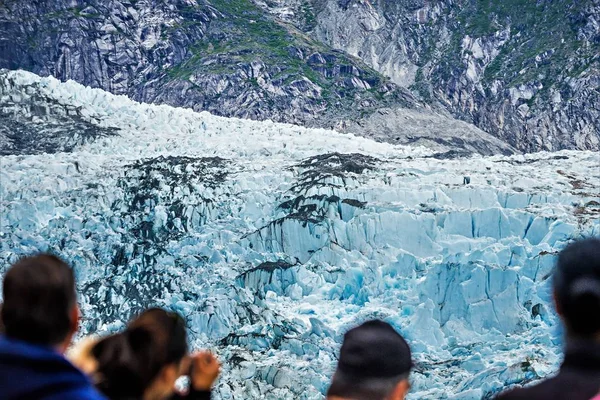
(401, 390)
(75, 317)
(557, 306)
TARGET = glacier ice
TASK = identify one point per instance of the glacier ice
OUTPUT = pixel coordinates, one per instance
(273, 239)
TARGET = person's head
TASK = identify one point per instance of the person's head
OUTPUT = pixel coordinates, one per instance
(577, 287)
(40, 303)
(144, 360)
(374, 364)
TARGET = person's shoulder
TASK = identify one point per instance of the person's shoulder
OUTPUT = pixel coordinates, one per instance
(81, 393)
(90, 393)
(509, 395)
(542, 390)
(529, 393)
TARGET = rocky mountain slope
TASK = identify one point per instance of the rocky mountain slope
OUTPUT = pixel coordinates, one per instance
(221, 56)
(526, 71)
(227, 57)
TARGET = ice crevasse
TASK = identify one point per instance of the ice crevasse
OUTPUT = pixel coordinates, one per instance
(273, 239)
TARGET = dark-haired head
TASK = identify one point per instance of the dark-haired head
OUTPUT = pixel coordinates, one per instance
(40, 303)
(374, 364)
(146, 356)
(577, 287)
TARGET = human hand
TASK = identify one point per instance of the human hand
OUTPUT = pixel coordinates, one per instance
(205, 369)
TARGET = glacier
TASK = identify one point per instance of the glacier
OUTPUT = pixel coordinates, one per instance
(273, 239)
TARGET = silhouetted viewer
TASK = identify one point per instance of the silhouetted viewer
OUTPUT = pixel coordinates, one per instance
(374, 364)
(40, 316)
(144, 361)
(577, 296)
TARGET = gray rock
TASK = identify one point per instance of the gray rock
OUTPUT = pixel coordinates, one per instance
(526, 72)
(229, 58)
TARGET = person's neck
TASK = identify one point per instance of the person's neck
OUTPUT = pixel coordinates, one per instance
(150, 395)
(155, 392)
(62, 348)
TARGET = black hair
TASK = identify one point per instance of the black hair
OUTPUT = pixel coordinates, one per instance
(39, 296)
(374, 359)
(128, 362)
(577, 286)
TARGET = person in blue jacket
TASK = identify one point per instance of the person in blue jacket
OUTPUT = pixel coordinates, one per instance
(39, 318)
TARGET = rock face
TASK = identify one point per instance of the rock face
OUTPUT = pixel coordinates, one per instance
(228, 57)
(524, 71)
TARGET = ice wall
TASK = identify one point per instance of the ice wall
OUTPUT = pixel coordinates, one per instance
(273, 239)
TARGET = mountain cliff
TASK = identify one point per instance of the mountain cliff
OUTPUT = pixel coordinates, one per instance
(525, 71)
(399, 71)
(227, 57)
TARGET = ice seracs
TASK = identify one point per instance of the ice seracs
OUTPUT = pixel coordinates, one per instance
(273, 239)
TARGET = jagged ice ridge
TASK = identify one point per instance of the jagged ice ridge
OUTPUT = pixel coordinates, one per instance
(274, 239)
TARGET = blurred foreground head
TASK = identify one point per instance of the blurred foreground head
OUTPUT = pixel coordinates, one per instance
(577, 288)
(144, 360)
(374, 364)
(40, 303)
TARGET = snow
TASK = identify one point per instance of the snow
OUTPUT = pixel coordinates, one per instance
(272, 240)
